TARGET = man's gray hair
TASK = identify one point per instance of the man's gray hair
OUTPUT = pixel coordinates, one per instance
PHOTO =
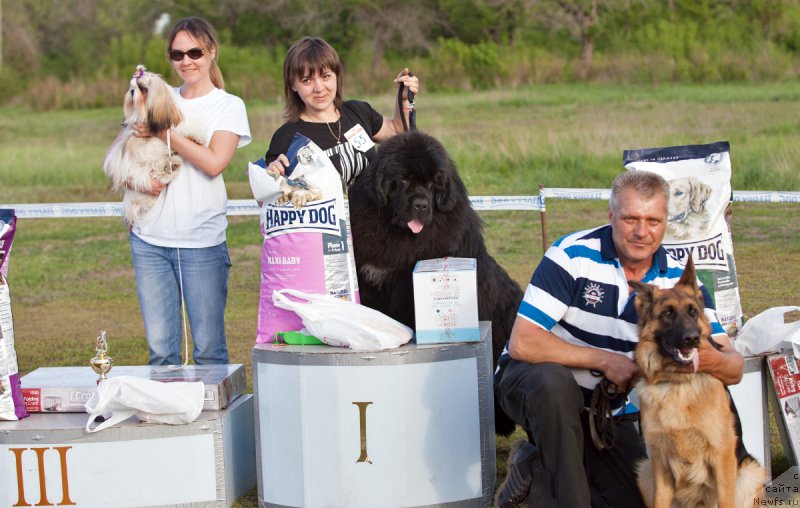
(646, 184)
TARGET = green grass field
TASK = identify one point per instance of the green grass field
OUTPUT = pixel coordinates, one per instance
(71, 278)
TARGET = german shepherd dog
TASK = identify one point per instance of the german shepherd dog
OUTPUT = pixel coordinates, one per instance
(686, 416)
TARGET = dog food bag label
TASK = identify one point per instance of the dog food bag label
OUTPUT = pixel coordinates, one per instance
(699, 179)
(12, 405)
(307, 242)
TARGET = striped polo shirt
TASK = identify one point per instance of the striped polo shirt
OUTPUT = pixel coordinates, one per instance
(580, 293)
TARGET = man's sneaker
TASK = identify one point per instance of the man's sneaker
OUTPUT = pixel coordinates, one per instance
(515, 487)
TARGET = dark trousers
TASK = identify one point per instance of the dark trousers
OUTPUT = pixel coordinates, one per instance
(546, 401)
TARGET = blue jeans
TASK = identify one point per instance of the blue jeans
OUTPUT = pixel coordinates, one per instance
(205, 291)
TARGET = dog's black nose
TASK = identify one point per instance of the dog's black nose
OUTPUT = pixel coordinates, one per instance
(691, 338)
(420, 205)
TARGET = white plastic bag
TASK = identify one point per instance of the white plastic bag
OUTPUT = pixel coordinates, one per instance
(266, 188)
(769, 331)
(119, 398)
(344, 323)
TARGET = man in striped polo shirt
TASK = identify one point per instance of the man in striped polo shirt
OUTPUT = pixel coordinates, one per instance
(577, 324)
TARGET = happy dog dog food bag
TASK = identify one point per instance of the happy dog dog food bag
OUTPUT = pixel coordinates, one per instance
(307, 243)
(12, 406)
(699, 179)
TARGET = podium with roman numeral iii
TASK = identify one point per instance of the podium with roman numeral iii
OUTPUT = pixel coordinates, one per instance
(412, 426)
(48, 459)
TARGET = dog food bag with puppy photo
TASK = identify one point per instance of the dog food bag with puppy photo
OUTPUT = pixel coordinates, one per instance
(12, 406)
(307, 241)
(699, 179)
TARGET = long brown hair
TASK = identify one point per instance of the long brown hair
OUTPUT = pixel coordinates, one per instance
(309, 55)
(202, 31)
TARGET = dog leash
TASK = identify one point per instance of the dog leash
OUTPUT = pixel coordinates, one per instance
(180, 270)
(412, 112)
(602, 423)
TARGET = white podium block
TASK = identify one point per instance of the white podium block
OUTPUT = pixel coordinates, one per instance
(50, 460)
(412, 426)
(749, 396)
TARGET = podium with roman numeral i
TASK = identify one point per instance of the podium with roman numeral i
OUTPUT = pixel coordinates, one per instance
(412, 426)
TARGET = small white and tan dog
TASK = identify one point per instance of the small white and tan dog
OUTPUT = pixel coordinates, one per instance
(132, 161)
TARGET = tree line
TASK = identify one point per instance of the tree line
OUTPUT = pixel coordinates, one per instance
(80, 53)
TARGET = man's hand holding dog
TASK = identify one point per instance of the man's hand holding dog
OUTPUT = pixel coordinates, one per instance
(725, 364)
(620, 370)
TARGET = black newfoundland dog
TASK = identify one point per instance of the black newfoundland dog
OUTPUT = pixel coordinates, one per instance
(409, 205)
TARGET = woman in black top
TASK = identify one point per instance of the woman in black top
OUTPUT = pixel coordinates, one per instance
(346, 130)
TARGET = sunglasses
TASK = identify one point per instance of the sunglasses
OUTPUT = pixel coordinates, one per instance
(194, 53)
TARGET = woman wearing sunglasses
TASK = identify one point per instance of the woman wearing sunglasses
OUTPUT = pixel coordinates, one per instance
(346, 130)
(179, 247)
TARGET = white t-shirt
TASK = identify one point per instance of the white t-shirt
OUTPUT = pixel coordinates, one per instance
(190, 212)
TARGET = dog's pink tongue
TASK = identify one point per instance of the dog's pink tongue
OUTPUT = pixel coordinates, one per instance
(415, 226)
(696, 360)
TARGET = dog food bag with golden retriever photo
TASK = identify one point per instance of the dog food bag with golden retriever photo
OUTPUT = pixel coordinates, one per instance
(307, 242)
(12, 406)
(699, 179)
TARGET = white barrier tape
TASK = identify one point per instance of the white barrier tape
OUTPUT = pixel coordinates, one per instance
(242, 207)
(766, 197)
(480, 203)
(738, 196)
(63, 210)
(236, 207)
(592, 194)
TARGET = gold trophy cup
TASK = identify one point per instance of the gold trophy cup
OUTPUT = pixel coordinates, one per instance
(102, 363)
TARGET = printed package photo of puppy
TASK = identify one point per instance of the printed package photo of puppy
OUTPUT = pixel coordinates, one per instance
(688, 215)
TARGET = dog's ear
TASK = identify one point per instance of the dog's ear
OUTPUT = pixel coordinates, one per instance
(376, 181)
(163, 112)
(447, 187)
(700, 193)
(128, 103)
(644, 296)
(689, 276)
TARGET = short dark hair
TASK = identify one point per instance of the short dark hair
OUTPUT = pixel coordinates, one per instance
(309, 55)
(645, 183)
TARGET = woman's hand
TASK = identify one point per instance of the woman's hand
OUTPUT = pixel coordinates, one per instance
(156, 186)
(141, 130)
(411, 83)
(279, 165)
